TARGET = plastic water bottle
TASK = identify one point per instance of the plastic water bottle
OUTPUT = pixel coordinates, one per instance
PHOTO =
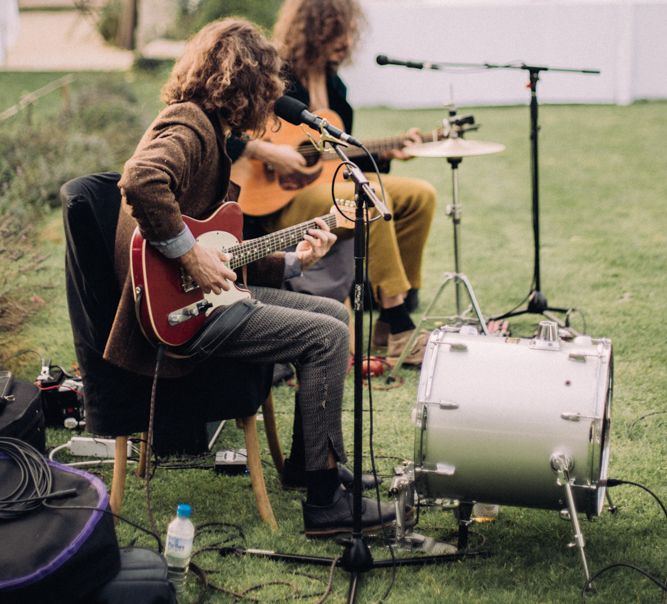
(180, 535)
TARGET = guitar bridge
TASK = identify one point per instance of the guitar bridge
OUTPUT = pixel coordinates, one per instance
(188, 312)
(187, 282)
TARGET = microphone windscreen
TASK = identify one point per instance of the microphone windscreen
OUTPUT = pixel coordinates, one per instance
(290, 109)
(381, 60)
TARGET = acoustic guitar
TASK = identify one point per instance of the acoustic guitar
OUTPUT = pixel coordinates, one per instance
(264, 191)
(172, 308)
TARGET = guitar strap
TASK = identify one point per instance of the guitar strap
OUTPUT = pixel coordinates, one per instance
(220, 326)
(233, 190)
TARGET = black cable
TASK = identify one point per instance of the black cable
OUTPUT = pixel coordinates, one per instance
(587, 586)
(35, 479)
(149, 439)
(137, 526)
(21, 353)
(371, 425)
(643, 417)
(614, 482)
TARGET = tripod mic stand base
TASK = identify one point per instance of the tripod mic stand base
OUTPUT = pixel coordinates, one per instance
(538, 305)
(356, 557)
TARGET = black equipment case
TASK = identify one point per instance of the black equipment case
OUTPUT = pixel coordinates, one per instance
(61, 555)
(142, 580)
(23, 416)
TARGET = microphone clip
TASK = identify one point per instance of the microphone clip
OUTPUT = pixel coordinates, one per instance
(325, 137)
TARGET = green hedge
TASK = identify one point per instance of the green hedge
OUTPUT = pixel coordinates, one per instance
(194, 15)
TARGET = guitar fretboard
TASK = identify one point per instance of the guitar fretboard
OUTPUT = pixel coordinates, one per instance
(375, 146)
(254, 249)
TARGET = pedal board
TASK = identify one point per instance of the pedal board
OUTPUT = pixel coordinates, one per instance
(231, 461)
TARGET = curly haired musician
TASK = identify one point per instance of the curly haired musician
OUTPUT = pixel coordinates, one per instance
(314, 37)
(180, 168)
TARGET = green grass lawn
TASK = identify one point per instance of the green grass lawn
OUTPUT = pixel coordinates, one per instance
(604, 252)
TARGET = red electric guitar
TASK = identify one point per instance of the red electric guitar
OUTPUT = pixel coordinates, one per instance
(172, 307)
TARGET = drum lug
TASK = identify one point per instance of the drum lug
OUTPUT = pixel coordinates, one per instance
(575, 416)
(448, 405)
(457, 347)
(547, 336)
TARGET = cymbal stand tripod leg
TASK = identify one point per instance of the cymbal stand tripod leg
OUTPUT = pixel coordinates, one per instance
(459, 279)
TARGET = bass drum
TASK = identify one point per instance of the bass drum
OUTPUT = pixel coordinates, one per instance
(491, 412)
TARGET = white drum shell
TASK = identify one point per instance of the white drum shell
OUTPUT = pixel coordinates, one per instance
(492, 411)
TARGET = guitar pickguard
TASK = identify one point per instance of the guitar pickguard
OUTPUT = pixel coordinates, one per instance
(297, 180)
(221, 240)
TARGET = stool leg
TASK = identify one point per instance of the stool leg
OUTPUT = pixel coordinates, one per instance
(256, 471)
(118, 480)
(272, 434)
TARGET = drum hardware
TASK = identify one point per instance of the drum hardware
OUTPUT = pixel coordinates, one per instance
(402, 489)
(539, 439)
(562, 465)
(454, 149)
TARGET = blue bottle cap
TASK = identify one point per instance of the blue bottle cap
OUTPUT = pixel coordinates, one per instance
(183, 510)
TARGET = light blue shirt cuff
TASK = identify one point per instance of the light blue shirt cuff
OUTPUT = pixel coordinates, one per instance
(292, 266)
(176, 246)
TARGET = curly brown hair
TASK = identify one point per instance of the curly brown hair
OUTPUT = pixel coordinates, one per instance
(228, 66)
(307, 30)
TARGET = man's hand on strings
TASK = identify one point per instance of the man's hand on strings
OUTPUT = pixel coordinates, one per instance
(412, 137)
(316, 243)
(207, 268)
(284, 159)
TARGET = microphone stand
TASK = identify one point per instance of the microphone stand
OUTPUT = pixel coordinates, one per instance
(537, 301)
(356, 558)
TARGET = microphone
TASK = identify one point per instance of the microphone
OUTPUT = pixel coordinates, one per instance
(295, 112)
(385, 60)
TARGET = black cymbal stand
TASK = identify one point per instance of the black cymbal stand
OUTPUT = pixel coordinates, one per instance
(356, 557)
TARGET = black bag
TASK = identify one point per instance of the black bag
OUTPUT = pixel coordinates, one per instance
(53, 556)
(23, 415)
(142, 580)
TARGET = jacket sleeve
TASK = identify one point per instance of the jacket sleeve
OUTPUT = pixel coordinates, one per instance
(160, 169)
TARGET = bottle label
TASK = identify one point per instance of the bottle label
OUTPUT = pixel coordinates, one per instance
(178, 546)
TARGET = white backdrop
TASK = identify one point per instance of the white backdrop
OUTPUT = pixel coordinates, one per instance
(625, 39)
(9, 26)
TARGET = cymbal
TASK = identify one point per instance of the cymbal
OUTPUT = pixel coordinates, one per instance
(453, 147)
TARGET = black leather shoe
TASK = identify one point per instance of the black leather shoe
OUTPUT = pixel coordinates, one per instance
(335, 518)
(294, 477)
(347, 478)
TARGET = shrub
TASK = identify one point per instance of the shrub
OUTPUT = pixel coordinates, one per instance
(97, 133)
(109, 20)
(197, 14)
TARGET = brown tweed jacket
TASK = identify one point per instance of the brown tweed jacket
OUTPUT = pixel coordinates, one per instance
(179, 167)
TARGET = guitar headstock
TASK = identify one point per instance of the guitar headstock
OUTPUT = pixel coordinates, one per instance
(343, 210)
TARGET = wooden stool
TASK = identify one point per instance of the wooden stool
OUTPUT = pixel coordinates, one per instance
(249, 426)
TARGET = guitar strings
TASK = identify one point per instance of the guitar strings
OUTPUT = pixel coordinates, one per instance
(254, 249)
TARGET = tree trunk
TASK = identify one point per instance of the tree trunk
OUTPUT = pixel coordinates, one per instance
(127, 24)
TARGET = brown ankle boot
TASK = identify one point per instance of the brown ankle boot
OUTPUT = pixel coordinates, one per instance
(380, 334)
(398, 341)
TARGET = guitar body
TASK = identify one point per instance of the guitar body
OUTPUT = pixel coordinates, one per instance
(263, 191)
(172, 309)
